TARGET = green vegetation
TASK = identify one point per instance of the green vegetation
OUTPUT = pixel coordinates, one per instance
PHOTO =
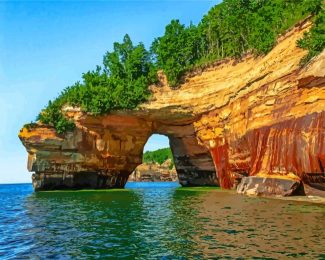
(230, 29)
(52, 115)
(122, 83)
(30, 125)
(158, 156)
(314, 40)
(177, 50)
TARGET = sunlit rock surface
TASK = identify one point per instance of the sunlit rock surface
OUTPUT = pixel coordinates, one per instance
(262, 117)
(152, 172)
(266, 186)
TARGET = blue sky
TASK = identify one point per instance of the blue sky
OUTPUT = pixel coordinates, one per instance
(47, 45)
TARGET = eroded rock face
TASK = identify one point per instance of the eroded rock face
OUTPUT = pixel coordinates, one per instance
(265, 186)
(103, 151)
(261, 117)
(151, 172)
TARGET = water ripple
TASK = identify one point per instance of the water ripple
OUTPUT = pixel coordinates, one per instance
(156, 221)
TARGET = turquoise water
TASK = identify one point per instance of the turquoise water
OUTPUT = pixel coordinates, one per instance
(156, 221)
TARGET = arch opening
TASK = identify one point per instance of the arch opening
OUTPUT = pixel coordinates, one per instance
(108, 149)
(192, 162)
(157, 162)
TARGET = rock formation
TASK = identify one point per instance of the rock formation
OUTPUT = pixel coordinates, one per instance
(260, 118)
(154, 172)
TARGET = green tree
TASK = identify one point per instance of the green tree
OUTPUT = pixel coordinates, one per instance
(158, 156)
(229, 29)
(122, 83)
(314, 40)
(176, 50)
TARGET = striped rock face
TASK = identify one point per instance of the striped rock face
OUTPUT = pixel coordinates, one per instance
(103, 151)
(262, 117)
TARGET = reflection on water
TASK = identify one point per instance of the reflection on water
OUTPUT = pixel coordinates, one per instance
(156, 220)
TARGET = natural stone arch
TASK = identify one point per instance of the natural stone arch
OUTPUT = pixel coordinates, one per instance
(260, 117)
(193, 162)
(104, 150)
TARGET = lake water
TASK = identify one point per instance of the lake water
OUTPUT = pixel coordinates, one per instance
(156, 221)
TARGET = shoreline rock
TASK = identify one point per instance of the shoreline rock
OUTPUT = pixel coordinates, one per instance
(154, 172)
(261, 116)
(268, 186)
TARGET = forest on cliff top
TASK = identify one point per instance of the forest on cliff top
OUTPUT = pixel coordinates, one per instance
(159, 156)
(229, 30)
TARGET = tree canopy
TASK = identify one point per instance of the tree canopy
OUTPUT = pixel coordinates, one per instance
(158, 156)
(314, 40)
(229, 29)
(122, 83)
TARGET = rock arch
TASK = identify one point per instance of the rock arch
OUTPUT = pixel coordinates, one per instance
(261, 117)
(103, 151)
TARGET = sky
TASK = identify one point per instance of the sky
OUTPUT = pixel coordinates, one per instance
(47, 45)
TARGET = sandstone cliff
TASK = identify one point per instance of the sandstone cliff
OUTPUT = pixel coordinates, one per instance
(259, 118)
(152, 172)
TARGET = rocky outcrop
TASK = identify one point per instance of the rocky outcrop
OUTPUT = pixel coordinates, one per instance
(151, 172)
(274, 124)
(267, 186)
(262, 117)
(106, 148)
(109, 148)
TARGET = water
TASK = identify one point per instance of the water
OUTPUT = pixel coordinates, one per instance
(156, 221)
